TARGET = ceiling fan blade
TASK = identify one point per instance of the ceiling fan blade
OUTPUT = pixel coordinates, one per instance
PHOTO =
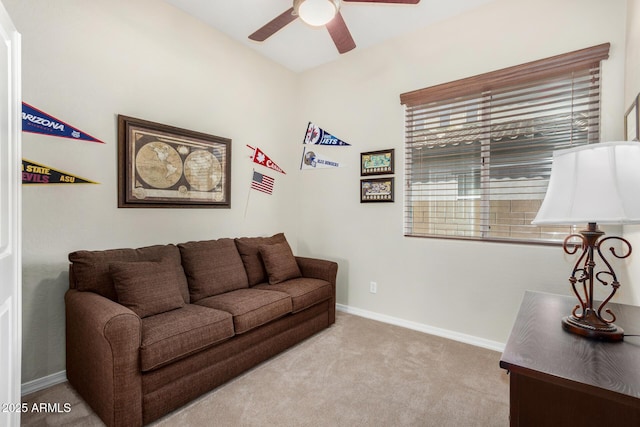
(274, 26)
(340, 34)
(383, 1)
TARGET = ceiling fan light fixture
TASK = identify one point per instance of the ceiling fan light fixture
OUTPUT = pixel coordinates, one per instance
(317, 12)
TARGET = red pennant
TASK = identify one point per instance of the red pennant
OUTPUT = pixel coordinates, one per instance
(262, 159)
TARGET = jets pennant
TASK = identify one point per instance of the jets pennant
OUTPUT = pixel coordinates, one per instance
(318, 136)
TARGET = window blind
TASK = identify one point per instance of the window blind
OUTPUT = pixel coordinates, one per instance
(478, 151)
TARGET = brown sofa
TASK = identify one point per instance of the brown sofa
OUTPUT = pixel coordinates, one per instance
(149, 329)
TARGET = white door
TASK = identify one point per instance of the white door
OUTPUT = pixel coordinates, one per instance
(10, 222)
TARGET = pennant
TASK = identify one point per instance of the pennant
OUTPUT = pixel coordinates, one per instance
(313, 160)
(262, 182)
(317, 136)
(35, 173)
(260, 158)
(36, 121)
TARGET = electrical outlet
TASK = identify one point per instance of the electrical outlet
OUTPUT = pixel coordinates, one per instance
(373, 287)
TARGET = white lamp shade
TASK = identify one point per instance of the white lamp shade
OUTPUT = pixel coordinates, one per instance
(317, 12)
(593, 183)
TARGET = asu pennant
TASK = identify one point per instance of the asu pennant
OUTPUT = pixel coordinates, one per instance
(35, 173)
(260, 158)
(315, 135)
(36, 121)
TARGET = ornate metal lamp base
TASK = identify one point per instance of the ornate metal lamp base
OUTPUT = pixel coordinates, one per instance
(594, 330)
(586, 319)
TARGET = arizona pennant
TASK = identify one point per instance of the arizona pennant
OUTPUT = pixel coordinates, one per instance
(313, 160)
(36, 121)
(317, 136)
(34, 173)
(260, 158)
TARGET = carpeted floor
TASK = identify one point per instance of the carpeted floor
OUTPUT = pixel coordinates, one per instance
(359, 372)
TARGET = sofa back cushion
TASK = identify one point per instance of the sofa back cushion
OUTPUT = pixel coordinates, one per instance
(212, 267)
(91, 268)
(147, 287)
(249, 248)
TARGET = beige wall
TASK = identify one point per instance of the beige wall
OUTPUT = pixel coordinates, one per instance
(631, 90)
(85, 62)
(471, 288)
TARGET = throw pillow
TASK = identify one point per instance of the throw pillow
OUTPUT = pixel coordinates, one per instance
(279, 262)
(147, 287)
(249, 249)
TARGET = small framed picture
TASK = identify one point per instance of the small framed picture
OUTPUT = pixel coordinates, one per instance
(376, 162)
(376, 190)
(631, 122)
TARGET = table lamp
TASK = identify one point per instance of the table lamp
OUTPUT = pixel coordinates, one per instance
(594, 183)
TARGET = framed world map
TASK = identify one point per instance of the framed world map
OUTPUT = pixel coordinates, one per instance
(161, 166)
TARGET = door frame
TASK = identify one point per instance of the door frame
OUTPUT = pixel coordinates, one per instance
(11, 228)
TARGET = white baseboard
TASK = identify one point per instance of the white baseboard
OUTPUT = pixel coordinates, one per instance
(445, 333)
(44, 382)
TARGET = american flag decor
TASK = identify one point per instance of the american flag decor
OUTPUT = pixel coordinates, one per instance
(262, 182)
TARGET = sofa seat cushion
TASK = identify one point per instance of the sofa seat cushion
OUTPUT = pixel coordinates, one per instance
(250, 307)
(249, 248)
(304, 292)
(212, 267)
(178, 333)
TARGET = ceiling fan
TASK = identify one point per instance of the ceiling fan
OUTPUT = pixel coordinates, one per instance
(319, 13)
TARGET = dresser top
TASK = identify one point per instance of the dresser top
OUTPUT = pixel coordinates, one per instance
(539, 347)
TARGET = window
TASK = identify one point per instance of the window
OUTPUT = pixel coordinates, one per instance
(478, 151)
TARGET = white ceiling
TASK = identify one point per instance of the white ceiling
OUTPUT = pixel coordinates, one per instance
(298, 46)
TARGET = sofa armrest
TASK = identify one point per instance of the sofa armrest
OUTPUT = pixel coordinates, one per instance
(321, 269)
(102, 343)
(318, 269)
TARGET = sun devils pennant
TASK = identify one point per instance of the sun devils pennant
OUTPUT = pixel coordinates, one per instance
(317, 136)
(260, 158)
(35, 173)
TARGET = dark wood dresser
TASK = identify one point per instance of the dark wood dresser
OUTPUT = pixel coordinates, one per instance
(561, 379)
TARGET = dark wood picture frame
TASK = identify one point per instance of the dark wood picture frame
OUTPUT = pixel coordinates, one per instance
(631, 121)
(161, 166)
(377, 190)
(377, 162)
